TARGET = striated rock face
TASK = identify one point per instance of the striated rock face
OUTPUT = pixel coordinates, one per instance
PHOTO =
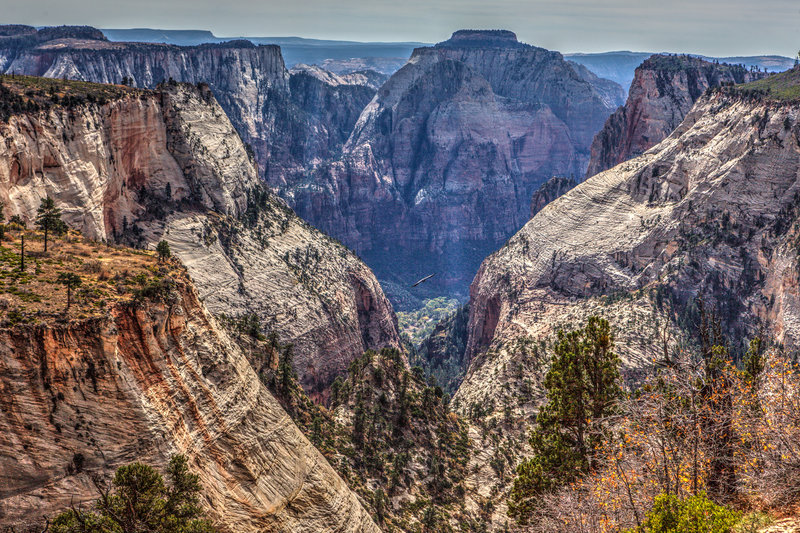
(712, 210)
(663, 91)
(291, 120)
(549, 191)
(441, 165)
(147, 382)
(168, 164)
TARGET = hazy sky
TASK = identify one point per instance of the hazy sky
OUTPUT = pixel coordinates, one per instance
(713, 27)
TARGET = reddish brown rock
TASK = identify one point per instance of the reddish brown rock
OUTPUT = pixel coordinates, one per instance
(664, 89)
(441, 165)
(151, 380)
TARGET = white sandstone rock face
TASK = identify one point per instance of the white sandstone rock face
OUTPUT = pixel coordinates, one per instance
(109, 168)
(291, 123)
(143, 384)
(710, 211)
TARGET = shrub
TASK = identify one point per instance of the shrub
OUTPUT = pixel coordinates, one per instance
(695, 514)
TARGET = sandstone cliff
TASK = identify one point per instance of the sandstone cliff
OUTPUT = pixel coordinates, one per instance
(663, 91)
(291, 120)
(549, 191)
(168, 164)
(148, 379)
(711, 211)
(441, 165)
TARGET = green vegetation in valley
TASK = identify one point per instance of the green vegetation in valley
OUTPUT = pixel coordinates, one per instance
(417, 325)
(441, 353)
(139, 499)
(387, 431)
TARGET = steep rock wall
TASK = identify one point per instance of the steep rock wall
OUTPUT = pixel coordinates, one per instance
(441, 165)
(145, 383)
(109, 167)
(709, 211)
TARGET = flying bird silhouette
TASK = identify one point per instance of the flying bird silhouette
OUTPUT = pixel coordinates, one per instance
(423, 280)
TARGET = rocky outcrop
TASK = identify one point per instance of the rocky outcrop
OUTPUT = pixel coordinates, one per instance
(440, 167)
(292, 121)
(549, 191)
(169, 164)
(711, 211)
(154, 379)
(663, 91)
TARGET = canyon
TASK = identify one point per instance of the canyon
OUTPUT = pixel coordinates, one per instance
(430, 173)
(691, 198)
(168, 164)
(441, 165)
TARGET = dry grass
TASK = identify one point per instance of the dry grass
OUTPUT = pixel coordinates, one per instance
(109, 275)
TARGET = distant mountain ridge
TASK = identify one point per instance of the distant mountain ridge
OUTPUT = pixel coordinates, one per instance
(441, 165)
(385, 57)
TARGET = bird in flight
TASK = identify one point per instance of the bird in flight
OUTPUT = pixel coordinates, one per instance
(423, 280)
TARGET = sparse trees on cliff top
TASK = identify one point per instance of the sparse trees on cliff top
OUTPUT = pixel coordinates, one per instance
(163, 251)
(70, 280)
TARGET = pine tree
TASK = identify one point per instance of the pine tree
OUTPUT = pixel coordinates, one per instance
(70, 280)
(163, 251)
(48, 218)
(140, 500)
(582, 388)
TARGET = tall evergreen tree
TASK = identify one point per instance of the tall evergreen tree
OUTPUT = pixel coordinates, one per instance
(48, 218)
(582, 387)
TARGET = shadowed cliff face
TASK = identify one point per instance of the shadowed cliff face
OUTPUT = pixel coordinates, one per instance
(712, 210)
(168, 164)
(83, 398)
(441, 165)
(662, 93)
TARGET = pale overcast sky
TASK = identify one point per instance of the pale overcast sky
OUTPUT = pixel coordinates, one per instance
(713, 27)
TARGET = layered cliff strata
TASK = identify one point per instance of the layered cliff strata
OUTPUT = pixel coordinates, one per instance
(149, 379)
(549, 191)
(440, 167)
(168, 164)
(663, 91)
(711, 211)
(291, 120)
